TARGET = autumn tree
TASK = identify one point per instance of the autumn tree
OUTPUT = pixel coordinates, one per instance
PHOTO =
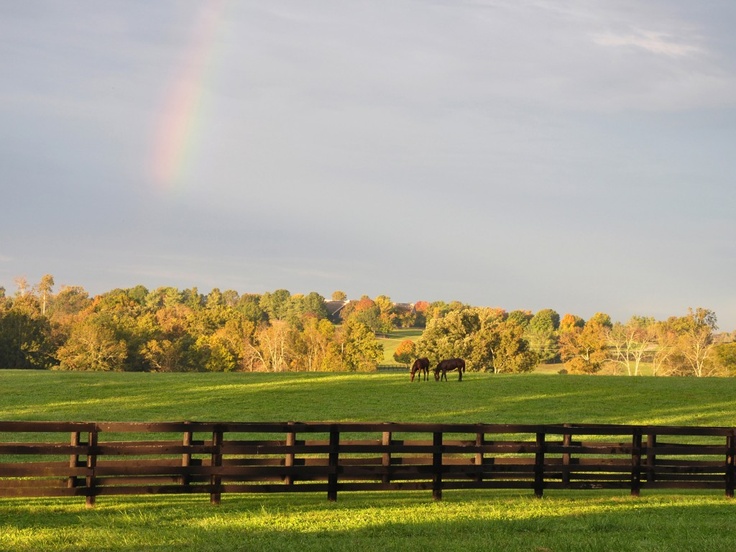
(405, 352)
(631, 343)
(93, 346)
(366, 312)
(386, 314)
(695, 340)
(583, 350)
(45, 287)
(314, 345)
(271, 347)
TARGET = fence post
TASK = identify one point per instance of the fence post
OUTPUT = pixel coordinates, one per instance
(437, 465)
(186, 457)
(636, 441)
(71, 482)
(91, 465)
(386, 457)
(566, 457)
(289, 459)
(479, 438)
(333, 462)
(730, 463)
(215, 463)
(651, 457)
(539, 466)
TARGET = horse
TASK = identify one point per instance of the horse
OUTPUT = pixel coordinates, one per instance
(448, 365)
(420, 365)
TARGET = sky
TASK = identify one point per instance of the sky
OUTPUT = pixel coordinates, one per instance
(576, 155)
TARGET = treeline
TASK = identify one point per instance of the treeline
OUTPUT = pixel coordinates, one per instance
(494, 340)
(168, 329)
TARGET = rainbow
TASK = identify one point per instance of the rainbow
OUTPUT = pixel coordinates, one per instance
(177, 126)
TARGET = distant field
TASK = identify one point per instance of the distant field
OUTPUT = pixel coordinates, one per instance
(463, 521)
(394, 338)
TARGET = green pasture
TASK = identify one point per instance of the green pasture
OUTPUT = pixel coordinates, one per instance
(392, 341)
(462, 521)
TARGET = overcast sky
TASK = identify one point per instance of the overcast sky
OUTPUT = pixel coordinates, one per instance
(575, 155)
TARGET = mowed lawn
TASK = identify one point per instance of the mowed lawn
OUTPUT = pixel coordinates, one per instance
(463, 520)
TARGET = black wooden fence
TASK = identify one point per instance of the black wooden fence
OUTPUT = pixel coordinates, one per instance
(91, 459)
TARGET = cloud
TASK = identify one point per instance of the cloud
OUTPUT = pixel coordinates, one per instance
(652, 41)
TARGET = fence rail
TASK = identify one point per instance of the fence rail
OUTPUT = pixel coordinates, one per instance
(91, 459)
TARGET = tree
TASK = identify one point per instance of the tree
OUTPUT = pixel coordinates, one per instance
(405, 352)
(665, 337)
(361, 351)
(314, 345)
(339, 296)
(695, 340)
(276, 304)
(452, 336)
(584, 349)
(25, 336)
(571, 321)
(541, 333)
(630, 343)
(366, 312)
(386, 314)
(511, 353)
(44, 288)
(93, 346)
(270, 349)
(420, 313)
(724, 358)
(22, 284)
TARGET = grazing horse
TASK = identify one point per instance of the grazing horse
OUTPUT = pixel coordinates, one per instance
(420, 365)
(440, 372)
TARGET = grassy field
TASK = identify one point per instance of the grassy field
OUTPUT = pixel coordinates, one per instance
(464, 520)
(392, 341)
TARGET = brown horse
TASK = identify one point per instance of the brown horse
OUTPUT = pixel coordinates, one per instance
(420, 365)
(448, 365)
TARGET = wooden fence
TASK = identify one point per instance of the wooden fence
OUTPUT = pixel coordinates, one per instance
(125, 458)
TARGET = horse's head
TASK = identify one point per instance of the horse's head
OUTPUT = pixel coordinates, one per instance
(436, 374)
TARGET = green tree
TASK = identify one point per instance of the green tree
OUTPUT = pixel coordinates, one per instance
(724, 358)
(511, 352)
(361, 351)
(339, 296)
(452, 335)
(366, 312)
(25, 336)
(276, 305)
(386, 314)
(314, 345)
(541, 333)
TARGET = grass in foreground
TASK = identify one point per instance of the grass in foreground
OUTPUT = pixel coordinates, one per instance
(463, 521)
